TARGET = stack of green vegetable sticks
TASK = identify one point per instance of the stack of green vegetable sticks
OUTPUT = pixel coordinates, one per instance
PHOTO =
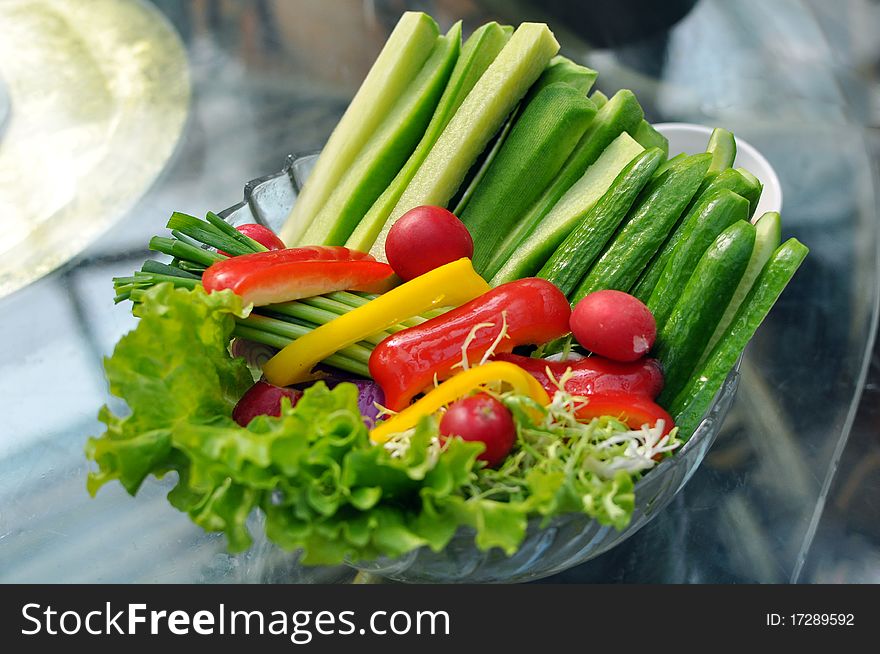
(550, 179)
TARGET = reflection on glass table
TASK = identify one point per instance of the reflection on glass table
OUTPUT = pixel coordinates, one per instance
(794, 79)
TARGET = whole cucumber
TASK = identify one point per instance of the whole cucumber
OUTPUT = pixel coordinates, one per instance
(691, 404)
(653, 217)
(579, 250)
(728, 179)
(696, 313)
(720, 211)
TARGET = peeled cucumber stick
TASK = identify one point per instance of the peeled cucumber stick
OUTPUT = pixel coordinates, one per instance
(694, 401)
(599, 99)
(388, 148)
(655, 214)
(718, 212)
(729, 179)
(681, 341)
(648, 137)
(477, 53)
(768, 234)
(406, 50)
(536, 247)
(478, 118)
(560, 70)
(576, 254)
(621, 113)
(538, 145)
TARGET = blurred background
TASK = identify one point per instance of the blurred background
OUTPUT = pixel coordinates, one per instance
(114, 113)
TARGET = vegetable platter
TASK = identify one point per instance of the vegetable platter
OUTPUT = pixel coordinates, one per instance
(495, 334)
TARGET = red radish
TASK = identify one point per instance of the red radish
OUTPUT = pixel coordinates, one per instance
(426, 238)
(262, 235)
(614, 324)
(481, 418)
(262, 399)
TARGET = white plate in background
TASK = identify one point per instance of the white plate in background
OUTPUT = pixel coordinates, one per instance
(692, 139)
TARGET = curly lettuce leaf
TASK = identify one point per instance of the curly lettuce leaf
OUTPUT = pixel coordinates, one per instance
(173, 368)
(321, 483)
(313, 472)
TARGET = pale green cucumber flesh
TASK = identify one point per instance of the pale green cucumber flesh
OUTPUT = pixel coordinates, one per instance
(408, 47)
(716, 213)
(541, 139)
(722, 146)
(477, 53)
(579, 250)
(648, 137)
(386, 151)
(599, 99)
(694, 401)
(681, 341)
(530, 246)
(653, 217)
(768, 234)
(478, 118)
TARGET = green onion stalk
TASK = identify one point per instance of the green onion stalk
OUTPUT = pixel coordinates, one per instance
(196, 244)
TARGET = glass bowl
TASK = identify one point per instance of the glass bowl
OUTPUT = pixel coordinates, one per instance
(548, 548)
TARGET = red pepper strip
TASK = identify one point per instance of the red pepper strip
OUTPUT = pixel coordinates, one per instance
(594, 375)
(633, 410)
(405, 363)
(285, 275)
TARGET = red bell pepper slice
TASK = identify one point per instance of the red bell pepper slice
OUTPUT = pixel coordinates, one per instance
(594, 375)
(633, 410)
(294, 273)
(406, 363)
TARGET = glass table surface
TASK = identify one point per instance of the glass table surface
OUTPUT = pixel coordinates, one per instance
(784, 494)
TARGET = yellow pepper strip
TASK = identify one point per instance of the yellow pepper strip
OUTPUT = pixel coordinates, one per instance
(457, 387)
(451, 285)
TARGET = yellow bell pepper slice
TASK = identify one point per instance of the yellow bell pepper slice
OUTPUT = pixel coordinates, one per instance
(451, 285)
(457, 387)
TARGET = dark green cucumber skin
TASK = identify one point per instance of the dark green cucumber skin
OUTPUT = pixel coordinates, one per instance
(722, 146)
(579, 250)
(694, 400)
(720, 210)
(655, 214)
(621, 113)
(677, 159)
(728, 179)
(681, 341)
(511, 185)
(562, 70)
(648, 137)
